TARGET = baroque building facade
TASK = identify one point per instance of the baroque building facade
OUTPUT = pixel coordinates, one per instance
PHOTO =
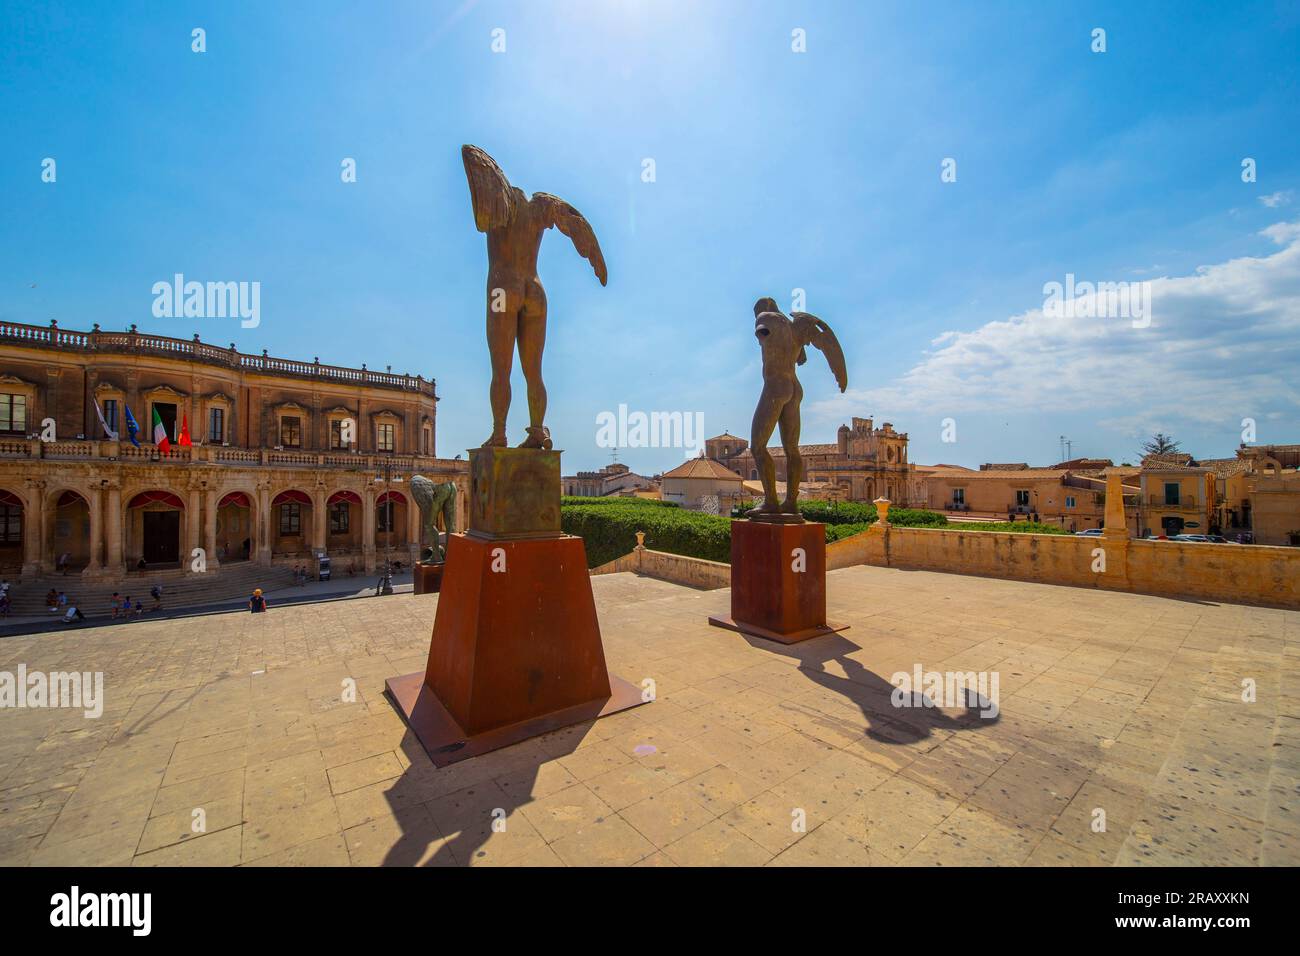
(865, 462)
(287, 459)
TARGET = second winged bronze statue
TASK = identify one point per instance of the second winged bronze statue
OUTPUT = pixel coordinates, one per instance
(783, 340)
(516, 301)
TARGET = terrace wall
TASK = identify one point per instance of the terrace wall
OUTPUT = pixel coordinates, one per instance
(1241, 574)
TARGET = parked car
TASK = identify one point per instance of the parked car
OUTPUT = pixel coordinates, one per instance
(1217, 538)
(1089, 533)
(1195, 538)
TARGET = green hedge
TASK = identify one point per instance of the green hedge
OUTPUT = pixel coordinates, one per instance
(1023, 527)
(609, 531)
(615, 500)
(853, 513)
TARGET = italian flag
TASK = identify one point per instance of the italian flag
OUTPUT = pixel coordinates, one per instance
(160, 433)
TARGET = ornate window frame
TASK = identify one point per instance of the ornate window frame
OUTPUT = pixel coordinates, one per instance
(387, 416)
(338, 414)
(292, 409)
(164, 394)
(222, 401)
(13, 385)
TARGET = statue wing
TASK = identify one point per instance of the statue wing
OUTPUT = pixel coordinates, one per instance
(810, 330)
(558, 213)
(422, 491)
(491, 193)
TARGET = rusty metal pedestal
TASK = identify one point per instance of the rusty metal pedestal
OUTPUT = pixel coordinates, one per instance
(516, 648)
(778, 581)
(427, 578)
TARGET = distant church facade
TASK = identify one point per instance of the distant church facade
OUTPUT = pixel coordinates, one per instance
(865, 462)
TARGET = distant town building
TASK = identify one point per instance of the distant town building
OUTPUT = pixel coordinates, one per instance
(865, 462)
(1073, 499)
(1272, 483)
(615, 479)
(702, 484)
(285, 459)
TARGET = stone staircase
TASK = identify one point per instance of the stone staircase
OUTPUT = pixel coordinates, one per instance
(180, 588)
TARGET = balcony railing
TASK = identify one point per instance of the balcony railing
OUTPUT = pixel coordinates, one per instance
(148, 454)
(1183, 501)
(142, 343)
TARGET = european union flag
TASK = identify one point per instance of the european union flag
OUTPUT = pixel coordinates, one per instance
(131, 426)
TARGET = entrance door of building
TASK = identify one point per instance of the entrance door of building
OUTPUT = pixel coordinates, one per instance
(162, 537)
(1172, 525)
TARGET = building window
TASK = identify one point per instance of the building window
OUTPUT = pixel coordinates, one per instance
(427, 435)
(13, 413)
(384, 520)
(167, 415)
(1069, 501)
(959, 496)
(1172, 492)
(1022, 499)
(217, 425)
(386, 437)
(11, 524)
(291, 432)
(110, 414)
(291, 518)
(336, 433)
(339, 513)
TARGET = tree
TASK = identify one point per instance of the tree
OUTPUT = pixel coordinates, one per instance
(1160, 444)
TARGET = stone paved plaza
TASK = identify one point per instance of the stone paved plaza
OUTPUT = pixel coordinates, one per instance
(1125, 704)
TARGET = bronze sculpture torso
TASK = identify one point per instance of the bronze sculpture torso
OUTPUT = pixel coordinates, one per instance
(516, 306)
(783, 340)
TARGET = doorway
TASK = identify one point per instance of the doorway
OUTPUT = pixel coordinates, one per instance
(162, 537)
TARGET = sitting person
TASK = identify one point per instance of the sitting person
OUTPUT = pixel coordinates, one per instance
(52, 601)
(74, 614)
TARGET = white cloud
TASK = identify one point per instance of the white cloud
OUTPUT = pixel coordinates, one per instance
(1273, 200)
(1223, 341)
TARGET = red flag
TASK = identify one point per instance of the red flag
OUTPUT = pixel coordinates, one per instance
(185, 430)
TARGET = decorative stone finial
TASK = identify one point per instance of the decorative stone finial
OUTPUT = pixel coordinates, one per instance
(882, 509)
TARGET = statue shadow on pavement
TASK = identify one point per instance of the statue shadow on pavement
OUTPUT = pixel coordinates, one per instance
(447, 815)
(914, 718)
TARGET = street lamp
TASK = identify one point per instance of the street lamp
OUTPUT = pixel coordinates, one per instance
(387, 479)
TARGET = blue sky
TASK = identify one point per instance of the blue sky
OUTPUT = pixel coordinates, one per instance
(774, 170)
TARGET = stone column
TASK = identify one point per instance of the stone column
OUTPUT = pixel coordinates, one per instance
(262, 537)
(412, 527)
(368, 529)
(318, 518)
(210, 528)
(34, 528)
(95, 501)
(193, 522)
(1116, 525)
(113, 557)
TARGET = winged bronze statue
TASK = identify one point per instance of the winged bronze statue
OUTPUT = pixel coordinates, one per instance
(434, 500)
(516, 307)
(784, 341)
